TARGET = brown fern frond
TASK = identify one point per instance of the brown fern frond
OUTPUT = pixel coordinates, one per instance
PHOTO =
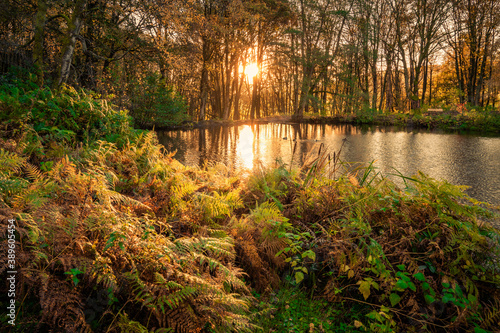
(69, 261)
(61, 306)
(33, 172)
(270, 247)
(183, 320)
(62, 169)
(262, 276)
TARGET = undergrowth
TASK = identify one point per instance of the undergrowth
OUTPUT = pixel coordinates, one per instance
(117, 236)
(291, 309)
(66, 116)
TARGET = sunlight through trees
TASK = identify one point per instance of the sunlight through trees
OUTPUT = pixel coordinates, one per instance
(236, 59)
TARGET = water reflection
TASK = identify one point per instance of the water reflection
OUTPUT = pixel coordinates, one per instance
(246, 147)
(461, 159)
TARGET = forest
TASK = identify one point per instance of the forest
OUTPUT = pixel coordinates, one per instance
(103, 230)
(232, 59)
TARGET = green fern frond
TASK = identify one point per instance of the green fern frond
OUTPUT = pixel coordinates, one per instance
(176, 298)
(220, 248)
(268, 213)
(11, 163)
(181, 191)
(160, 279)
(490, 317)
(219, 205)
(125, 324)
(184, 245)
(204, 286)
(12, 186)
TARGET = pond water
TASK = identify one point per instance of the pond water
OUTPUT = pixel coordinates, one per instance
(470, 160)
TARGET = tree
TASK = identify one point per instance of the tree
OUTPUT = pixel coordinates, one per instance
(472, 43)
(316, 31)
(419, 34)
(74, 25)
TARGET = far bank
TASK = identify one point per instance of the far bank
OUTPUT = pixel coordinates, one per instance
(475, 120)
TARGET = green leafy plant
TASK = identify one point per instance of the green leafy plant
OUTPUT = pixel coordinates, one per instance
(73, 273)
(296, 255)
(156, 105)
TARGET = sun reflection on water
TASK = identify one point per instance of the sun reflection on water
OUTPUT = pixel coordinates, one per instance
(245, 146)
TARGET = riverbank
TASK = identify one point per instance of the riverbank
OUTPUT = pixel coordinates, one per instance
(470, 121)
(114, 234)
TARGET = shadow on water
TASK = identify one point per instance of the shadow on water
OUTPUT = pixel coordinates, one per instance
(470, 160)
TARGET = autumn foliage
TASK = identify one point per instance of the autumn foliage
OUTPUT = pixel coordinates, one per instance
(116, 235)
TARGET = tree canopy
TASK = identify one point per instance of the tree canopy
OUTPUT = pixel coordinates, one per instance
(320, 56)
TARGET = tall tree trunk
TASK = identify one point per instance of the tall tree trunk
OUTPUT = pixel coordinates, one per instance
(239, 79)
(74, 25)
(388, 92)
(38, 48)
(424, 84)
(482, 73)
(255, 102)
(382, 91)
(430, 86)
(375, 85)
(227, 83)
(256, 90)
(304, 89)
(459, 72)
(204, 80)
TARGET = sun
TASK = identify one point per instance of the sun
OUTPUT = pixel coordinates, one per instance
(251, 70)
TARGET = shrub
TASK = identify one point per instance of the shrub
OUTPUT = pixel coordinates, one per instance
(68, 115)
(96, 251)
(156, 105)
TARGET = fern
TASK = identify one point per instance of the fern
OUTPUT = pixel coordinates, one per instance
(10, 187)
(219, 205)
(102, 272)
(62, 306)
(490, 317)
(180, 193)
(33, 172)
(11, 163)
(130, 326)
(220, 248)
(73, 211)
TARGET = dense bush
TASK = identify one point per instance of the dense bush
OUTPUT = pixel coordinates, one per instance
(419, 258)
(154, 104)
(93, 259)
(67, 115)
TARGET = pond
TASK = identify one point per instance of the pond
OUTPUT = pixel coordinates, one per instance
(470, 160)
